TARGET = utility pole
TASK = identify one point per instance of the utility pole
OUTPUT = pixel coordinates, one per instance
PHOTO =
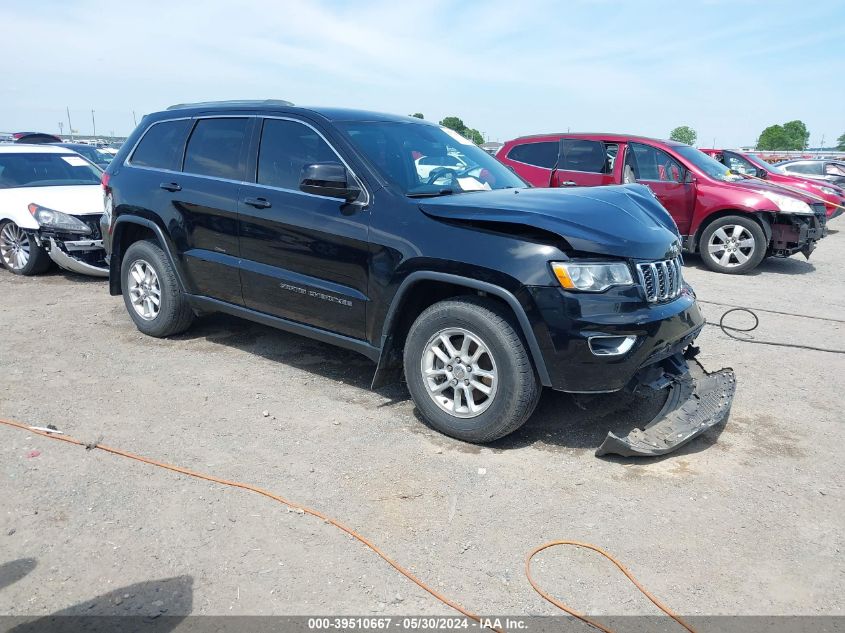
(69, 124)
(61, 126)
(134, 119)
(94, 124)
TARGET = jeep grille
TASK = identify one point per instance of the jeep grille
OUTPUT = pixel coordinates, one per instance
(663, 280)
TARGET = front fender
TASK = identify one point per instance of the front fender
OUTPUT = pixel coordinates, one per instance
(121, 225)
(387, 358)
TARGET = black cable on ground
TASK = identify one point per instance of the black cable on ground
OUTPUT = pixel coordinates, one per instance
(729, 329)
(792, 314)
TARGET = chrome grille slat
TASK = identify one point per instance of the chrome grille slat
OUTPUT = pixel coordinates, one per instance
(661, 280)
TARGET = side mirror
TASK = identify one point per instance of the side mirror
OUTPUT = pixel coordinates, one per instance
(762, 173)
(689, 177)
(328, 179)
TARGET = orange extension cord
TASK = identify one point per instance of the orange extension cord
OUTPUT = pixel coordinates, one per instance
(57, 435)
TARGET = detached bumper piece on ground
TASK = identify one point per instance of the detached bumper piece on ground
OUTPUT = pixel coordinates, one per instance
(697, 401)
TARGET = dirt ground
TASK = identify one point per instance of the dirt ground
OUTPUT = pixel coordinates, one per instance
(746, 520)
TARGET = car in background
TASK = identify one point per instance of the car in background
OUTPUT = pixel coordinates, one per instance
(51, 201)
(830, 170)
(434, 166)
(95, 155)
(733, 222)
(752, 165)
(33, 137)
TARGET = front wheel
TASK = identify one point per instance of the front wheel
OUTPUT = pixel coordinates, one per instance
(19, 251)
(151, 291)
(732, 244)
(468, 370)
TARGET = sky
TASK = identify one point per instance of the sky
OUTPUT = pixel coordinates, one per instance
(506, 67)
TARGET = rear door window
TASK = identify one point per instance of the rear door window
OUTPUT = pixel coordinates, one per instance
(162, 145)
(217, 148)
(540, 154)
(286, 147)
(650, 163)
(584, 155)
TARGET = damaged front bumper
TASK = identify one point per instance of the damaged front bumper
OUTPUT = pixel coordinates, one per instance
(697, 401)
(86, 257)
(798, 233)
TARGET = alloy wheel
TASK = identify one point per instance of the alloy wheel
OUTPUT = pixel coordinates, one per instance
(731, 245)
(144, 290)
(14, 246)
(459, 372)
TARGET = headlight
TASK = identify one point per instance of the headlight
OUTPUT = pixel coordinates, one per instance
(58, 221)
(788, 204)
(592, 276)
(829, 191)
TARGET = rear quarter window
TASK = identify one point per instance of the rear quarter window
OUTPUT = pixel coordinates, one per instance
(162, 145)
(540, 154)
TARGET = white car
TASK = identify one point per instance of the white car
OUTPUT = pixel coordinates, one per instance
(427, 164)
(51, 201)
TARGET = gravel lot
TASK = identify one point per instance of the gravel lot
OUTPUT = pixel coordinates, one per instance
(746, 520)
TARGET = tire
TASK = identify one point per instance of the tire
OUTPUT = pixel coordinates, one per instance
(499, 362)
(19, 253)
(721, 245)
(146, 275)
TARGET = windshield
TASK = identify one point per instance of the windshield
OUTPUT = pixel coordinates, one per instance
(424, 159)
(753, 158)
(46, 170)
(705, 163)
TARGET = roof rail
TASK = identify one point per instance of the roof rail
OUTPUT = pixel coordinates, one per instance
(245, 103)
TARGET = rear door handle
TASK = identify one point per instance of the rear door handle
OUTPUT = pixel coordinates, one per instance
(171, 186)
(258, 203)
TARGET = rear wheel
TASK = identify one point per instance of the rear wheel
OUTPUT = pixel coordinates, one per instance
(19, 251)
(733, 245)
(468, 370)
(151, 291)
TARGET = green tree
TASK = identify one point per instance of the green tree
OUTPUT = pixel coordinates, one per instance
(799, 136)
(773, 137)
(789, 136)
(683, 134)
(417, 115)
(840, 143)
(457, 124)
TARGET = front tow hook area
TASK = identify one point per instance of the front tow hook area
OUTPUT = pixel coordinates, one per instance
(697, 401)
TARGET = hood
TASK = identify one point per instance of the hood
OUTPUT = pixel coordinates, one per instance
(804, 183)
(621, 221)
(73, 199)
(757, 186)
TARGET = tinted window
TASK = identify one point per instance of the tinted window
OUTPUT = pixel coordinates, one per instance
(46, 170)
(286, 147)
(650, 163)
(834, 169)
(804, 168)
(216, 148)
(581, 155)
(162, 145)
(542, 154)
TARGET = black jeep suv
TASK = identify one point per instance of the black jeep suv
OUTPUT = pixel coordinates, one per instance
(404, 241)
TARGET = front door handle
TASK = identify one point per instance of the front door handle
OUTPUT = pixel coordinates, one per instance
(258, 203)
(171, 186)
(568, 183)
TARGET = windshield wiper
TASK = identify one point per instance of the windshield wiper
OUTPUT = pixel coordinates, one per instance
(430, 194)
